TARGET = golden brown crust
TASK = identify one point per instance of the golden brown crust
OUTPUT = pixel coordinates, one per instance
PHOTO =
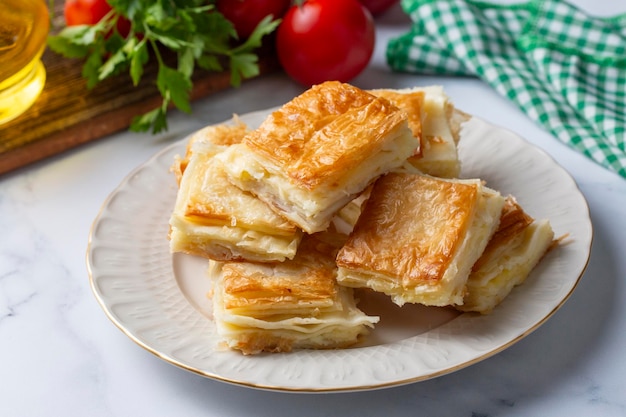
(512, 222)
(281, 306)
(215, 219)
(410, 228)
(309, 277)
(319, 136)
(506, 264)
(221, 135)
(410, 102)
(213, 200)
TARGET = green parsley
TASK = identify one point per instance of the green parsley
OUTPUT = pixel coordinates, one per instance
(196, 33)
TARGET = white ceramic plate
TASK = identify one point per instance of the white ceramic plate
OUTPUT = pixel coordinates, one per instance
(159, 299)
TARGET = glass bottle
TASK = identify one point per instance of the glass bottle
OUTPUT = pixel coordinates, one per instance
(24, 26)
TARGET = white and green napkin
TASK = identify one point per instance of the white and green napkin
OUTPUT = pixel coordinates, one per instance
(564, 68)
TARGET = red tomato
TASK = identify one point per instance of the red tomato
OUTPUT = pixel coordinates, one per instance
(325, 40)
(245, 15)
(89, 12)
(377, 7)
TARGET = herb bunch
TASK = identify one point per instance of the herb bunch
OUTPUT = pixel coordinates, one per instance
(193, 30)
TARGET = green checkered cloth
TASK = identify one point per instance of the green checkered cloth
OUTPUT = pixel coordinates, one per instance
(564, 69)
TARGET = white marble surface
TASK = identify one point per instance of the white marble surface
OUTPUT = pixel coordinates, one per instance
(61, 356)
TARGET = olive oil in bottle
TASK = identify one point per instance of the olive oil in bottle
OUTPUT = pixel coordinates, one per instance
(24, 26)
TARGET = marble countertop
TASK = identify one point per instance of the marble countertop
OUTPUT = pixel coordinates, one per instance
(61, 356)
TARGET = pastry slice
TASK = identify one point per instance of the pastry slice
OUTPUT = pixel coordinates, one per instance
(215, 219)
(314, 154)
(296, 304)
(440, 134)
(436, 122)
(514, 250)
(221, 134)
(418, 237)
(411, 101)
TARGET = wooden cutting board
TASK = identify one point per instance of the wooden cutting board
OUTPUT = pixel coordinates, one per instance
(67, 114)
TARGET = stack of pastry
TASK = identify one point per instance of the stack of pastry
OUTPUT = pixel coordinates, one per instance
(342, 188)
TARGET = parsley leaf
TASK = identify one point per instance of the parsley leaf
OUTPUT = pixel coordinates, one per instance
(193, 32)
(176, 86)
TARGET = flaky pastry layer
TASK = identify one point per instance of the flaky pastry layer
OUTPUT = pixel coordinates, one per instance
(436, 122)
(313, 155)
(215, 219)
(278, 307)
(512, 253)
(418, 237)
